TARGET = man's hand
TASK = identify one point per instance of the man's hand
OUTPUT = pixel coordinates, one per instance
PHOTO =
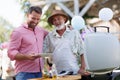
(83, 72)
(33, 56)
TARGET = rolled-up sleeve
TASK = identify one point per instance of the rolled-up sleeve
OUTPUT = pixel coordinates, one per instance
(15, 41)
(79, 44)
(46, 45)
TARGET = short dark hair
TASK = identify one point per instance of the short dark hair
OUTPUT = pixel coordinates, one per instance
(35, 8)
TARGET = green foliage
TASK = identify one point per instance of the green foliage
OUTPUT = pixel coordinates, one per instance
(22, 3)
(44, 22)
(86, 16)
(5, 30)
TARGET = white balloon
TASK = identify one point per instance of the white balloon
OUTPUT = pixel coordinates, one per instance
(78, 22)
(106, 14)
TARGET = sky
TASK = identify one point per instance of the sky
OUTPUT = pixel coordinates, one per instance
(10, 10)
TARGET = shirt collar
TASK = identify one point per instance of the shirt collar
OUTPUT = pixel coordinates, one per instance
(25, 25)
(57, 35)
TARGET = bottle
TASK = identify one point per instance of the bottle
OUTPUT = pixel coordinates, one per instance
(50, 74)
(54, 71)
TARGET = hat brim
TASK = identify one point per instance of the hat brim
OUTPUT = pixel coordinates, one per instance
(51, 18)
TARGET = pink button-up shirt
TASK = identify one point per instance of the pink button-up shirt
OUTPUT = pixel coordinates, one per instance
(26, 41)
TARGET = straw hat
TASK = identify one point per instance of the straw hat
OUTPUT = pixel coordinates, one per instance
(55, 13)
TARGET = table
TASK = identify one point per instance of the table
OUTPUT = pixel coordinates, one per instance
(67, 77)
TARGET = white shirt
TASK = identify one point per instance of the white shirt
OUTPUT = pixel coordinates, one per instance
(64, 49)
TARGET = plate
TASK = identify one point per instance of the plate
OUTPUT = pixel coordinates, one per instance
(46, 54)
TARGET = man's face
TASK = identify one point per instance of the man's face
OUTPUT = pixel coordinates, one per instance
(33, 19)
(58, 21)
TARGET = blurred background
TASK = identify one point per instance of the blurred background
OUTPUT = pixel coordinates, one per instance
(12, 13)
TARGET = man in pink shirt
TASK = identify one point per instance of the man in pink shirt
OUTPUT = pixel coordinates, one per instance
(26, 45)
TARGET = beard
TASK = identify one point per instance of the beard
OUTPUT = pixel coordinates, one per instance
(32, 25)
(60, 26)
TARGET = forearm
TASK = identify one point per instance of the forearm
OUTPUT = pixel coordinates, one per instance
(82, 61)
(82, 70)
(31, 56)
(21, 57)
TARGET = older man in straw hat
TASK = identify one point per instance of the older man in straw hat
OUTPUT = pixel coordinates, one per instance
(65, 45)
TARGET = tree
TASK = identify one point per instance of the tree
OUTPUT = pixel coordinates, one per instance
(25, 4)
(5, 30)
